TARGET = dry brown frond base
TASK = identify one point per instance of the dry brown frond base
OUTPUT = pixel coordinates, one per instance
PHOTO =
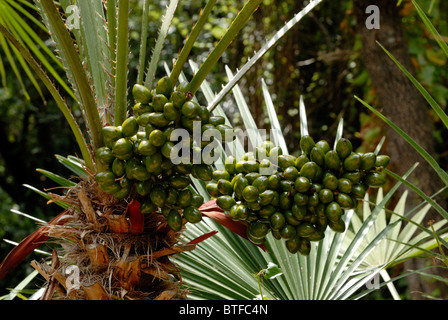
(97, 243)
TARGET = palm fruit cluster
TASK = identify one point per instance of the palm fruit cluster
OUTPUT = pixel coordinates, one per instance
(137, 154)
(300, 196)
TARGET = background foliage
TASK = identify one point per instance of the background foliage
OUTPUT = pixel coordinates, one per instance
(325, 66)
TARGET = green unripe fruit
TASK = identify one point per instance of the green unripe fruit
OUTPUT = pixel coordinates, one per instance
(111, 188)
(129, 127)
(164, 86)
(333, 211)
(158, 195)
(139, 173)
(141, 93)
(217, 120)
(354, 177)
(185, 198)
(326, 195)
(382, 161)
(313, 200)
(309, 170)
(179, 181)
(251, 176)
(323, 145)
(230, 164)
(250, 166)
(178, 98)
(158, 119)
(157, 138)
(345, 201)
(104, 155)
(302, 184)
(158, 102)
(239, 212)
(304, 247)
(225, 187)
(147, 207)
(290, 219)
(192, 214)
(332, 160)
(267, 211)
(221, 174)
(293, 244)
(266, 197)
(143, 119)
(143, 188)
(212, 189)
(330, 181)
(146, 148)
(288, 232)
(226, 133)
(359, 191)
(285, 201)
(170, 111)
(189, 109)
(305, 229)
(291, 173)
(123, 149)
(204, 114)
(375, 179)
(285, 161)
(203, 172)
(250, 193)
(345, 185)
(197, 200)
(153, 162)
(368, 161)
(174, 220)
(274, 182)
(277, 221)
(261, 183)
(110, 135)
(352, 162)
(106, 177)
(118, 167)
(317, 156)
(169, 148)
(344, 148)
(299, 212)
(258, 229)
(301, 199)
(306, 144)
(300, 161)
(337, 226)
(225, 202)
(171, 196)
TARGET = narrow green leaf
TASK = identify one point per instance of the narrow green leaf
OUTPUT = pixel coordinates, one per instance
(55, 94)
(442, 174)
(276, 129)
(191, 39)
(57, 178)
(260, 53)
(95, 39)
(239, 22)
(46, 196)
(74, 166)
(442, 115)
(163, 32)
(143, 42)
(121, 80)
(74, 67)
(431, 27)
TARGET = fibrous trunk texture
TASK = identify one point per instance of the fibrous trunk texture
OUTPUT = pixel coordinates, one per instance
(107, 255)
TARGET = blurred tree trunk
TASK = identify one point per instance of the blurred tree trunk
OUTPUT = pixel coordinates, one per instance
(404, 105)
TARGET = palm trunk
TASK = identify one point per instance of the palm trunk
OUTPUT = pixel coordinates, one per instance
(401, 103)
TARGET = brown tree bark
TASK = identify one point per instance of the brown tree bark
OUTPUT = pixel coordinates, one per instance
(401, 102)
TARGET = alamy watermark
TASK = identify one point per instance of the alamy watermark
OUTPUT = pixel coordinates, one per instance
(373, 20)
